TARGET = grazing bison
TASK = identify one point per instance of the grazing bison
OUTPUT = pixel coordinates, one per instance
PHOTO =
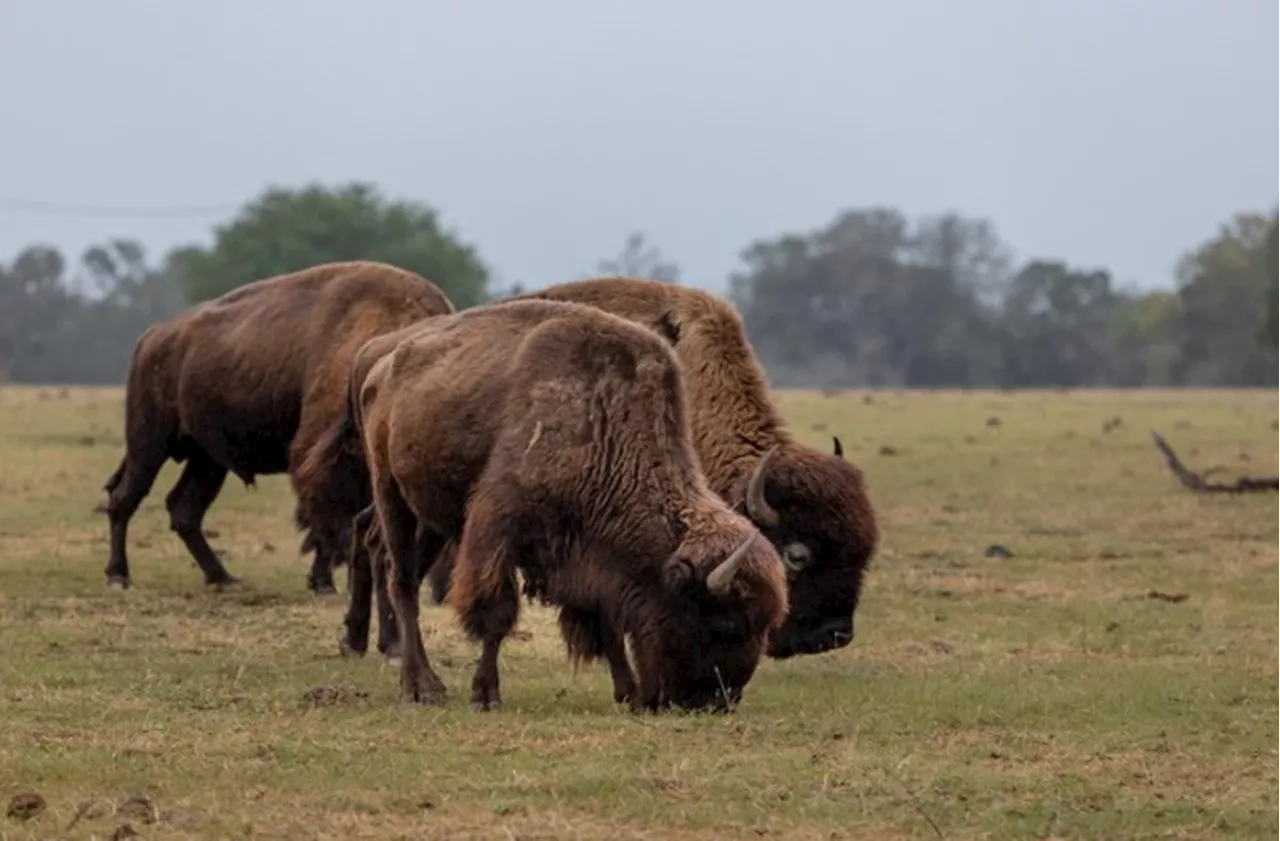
(553, 439)
(246, 383)
(332, 483)
(813, 506)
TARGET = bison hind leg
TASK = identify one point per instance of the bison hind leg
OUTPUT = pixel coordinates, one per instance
(114, 479)
(405, 543)
(126, 488)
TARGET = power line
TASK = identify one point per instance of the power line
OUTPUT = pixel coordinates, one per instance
(119, 212)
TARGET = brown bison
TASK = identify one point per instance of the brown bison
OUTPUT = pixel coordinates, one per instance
(332, 482)
(553, 439)
(813, 506)
(246, 383)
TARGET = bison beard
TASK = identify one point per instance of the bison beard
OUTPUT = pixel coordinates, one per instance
(552, 439)
(223, 388)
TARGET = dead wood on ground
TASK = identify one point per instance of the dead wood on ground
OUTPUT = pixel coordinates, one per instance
(1199, 482)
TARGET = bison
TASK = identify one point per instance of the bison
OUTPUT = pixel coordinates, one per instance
(813, 506)
(246, 383)
(553, 439)
(332, 482)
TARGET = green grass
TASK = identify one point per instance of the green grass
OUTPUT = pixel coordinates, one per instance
(1043, 695)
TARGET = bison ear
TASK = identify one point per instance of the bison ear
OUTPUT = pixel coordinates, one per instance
(677, 575)
(837, 450)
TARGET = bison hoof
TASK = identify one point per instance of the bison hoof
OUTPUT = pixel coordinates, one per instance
(118, 582)
(321, 587)
(349, 650)
(223, 583)
(427, 697)
(427, 688)
(485, 700)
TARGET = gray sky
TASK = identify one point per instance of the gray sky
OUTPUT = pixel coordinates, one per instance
(1112, 132)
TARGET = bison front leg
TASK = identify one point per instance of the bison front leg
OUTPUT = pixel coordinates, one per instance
(190, 498)
(320, 578)
(483, 590)
(360, 586)
(615, 654)
(388, 629)
(404, 544)
(368, 580)
(589, 636)
(499, 618)
(648, 695)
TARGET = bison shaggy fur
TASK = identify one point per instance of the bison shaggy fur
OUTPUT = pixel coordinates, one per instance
(246, 383)
(552, 439)
(812, 505)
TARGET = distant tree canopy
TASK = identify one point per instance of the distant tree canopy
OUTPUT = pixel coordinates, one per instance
(286, 230)
(639, 258)
(1270, 266)
(78, 324)
(870, 299)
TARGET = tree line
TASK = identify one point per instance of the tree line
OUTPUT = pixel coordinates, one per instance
(871, 299)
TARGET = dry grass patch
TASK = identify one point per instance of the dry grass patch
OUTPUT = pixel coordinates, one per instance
(1039, 692)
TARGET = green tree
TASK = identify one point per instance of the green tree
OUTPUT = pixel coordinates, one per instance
(1144, 347)
(65, 323)
(1057, 324)
(1271, 265)
(870, 299)
(1222, 289)
(286, 230)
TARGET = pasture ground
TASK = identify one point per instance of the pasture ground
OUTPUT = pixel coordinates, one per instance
(1068, 691)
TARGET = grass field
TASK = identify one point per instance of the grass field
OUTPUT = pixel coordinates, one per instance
(1115, 678)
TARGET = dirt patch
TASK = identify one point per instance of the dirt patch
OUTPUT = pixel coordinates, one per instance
(332, 696)
(25, 806)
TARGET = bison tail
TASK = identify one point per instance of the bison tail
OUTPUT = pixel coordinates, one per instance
(440, 572)
(114, 479)
(332, 480)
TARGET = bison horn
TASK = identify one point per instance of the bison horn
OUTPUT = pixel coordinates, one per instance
(757, 508)
(837, 450)
(721, 578)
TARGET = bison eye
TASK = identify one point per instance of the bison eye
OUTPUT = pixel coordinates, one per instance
(796, 557)
(677, 575)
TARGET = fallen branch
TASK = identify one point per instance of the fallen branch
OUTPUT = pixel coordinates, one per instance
(1199, 482)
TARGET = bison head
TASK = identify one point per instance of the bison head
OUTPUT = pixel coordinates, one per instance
(721, 601)
(813, 507)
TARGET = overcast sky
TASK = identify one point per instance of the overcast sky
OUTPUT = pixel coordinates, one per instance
(1107, 132)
